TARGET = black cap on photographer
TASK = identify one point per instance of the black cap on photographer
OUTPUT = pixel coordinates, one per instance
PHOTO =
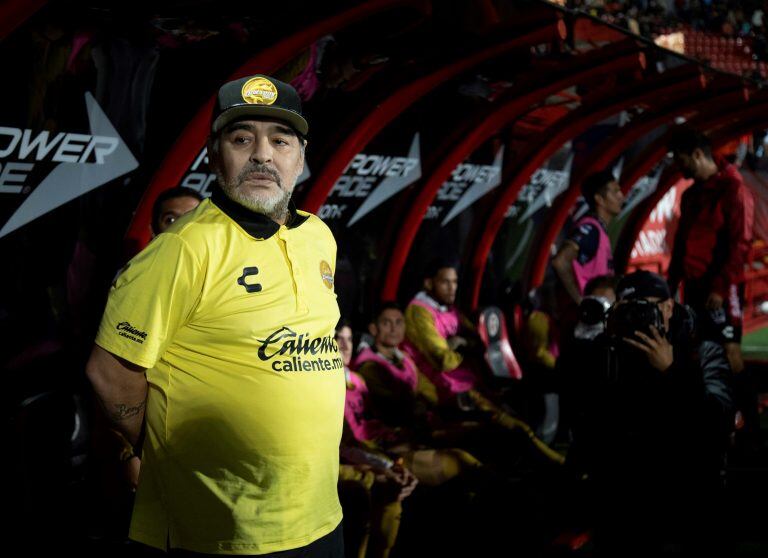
(642, 284)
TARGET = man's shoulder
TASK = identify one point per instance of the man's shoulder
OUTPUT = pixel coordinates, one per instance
(417, 308)
(200, 223)
(313, 224)
(365, 355)
(587, 226)
(730, 175)
(588, 219)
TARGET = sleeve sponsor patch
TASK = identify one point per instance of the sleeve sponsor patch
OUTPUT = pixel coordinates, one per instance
(125, 329)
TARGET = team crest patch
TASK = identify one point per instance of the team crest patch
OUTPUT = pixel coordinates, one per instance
(259, 91)
(326, 274)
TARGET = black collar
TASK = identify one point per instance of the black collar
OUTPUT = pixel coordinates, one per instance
(257, 225)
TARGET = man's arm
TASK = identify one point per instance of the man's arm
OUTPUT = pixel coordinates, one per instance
(718, 392)
(675, 270)
(563, 266)
(739, 211)
(421, 330)
(121, 388)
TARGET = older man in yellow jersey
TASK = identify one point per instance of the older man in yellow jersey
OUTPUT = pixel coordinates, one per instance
(217, 351)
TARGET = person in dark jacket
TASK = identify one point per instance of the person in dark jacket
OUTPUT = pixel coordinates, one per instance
(653, 411)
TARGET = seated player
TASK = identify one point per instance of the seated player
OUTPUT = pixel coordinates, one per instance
(435, 330)
(404, 394)
(432, 467)
(372, 486)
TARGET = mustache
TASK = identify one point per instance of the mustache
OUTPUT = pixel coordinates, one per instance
(259, 168)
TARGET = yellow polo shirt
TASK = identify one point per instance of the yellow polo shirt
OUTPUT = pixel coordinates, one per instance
(233, 316)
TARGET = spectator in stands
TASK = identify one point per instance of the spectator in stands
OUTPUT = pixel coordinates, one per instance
(172, 204)
(654, 412)
(586, 253)
(712, 241)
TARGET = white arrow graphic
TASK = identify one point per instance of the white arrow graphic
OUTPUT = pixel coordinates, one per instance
(478, 188)
(557, 183)
(68, 181)
(390, 186)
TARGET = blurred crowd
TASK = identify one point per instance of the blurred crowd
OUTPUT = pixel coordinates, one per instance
(743, 19)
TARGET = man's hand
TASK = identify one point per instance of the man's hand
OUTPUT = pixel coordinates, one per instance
(658, 349)
(714, 301)
(131, 468)
(399, 482)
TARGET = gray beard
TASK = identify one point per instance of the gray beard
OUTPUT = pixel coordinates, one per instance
(276, 207)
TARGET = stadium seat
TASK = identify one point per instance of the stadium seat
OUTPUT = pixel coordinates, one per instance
(498, 352)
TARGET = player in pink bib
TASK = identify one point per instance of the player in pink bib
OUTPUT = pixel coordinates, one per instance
(587, 253)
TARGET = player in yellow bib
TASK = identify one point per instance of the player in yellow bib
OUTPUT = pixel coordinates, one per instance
(217, 350)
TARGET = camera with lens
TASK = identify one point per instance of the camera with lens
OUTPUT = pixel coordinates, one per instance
(592, 313)
(626, 318)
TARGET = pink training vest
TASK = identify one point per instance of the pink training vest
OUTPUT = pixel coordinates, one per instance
(407, 375)
(600, 264)
(447, 324)
(363, 429)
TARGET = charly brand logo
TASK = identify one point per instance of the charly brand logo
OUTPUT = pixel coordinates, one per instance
(326, 274)
(293, 352)
(259, 91)
(84, 162)
(249, 287)
(125, 329)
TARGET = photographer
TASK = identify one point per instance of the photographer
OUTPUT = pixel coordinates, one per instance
(654, 410)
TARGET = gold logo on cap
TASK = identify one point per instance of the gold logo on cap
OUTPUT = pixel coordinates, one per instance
(326, 274)
(259, 91)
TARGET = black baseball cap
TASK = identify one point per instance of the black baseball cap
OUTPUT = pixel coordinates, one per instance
(258, 96)
(642, 284)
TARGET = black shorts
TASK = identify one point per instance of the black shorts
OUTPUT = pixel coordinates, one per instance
(723, 325)
(329, 546)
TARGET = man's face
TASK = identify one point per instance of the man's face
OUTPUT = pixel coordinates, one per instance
(258, 163)
(443, 285)
(690, 165)
(612, 199)
(389, 329)
(344, 340)
(172, 209)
